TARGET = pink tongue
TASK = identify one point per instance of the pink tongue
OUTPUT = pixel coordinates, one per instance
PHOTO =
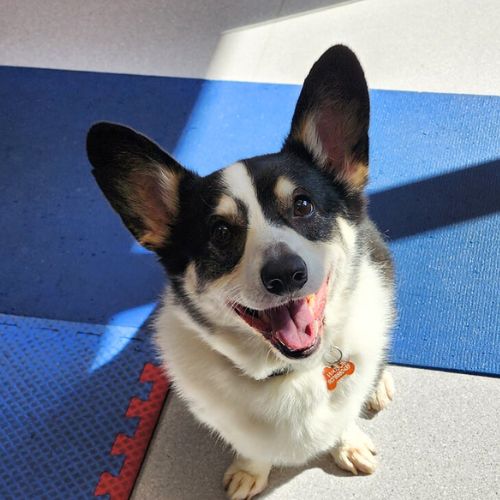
(293, 325)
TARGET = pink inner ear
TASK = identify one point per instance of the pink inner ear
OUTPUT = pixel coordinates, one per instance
(151, 206)
(331, 130)
(149, 194)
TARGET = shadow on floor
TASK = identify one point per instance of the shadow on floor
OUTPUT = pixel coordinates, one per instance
(437, 202)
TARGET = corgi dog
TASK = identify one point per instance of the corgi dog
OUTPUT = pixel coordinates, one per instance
(276, 319)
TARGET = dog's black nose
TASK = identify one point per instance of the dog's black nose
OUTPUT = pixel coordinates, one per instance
(285, 274)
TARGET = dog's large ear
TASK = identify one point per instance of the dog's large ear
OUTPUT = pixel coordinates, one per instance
(332, 116)
(139, 180)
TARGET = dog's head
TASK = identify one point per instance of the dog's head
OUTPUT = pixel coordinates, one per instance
(254, 251)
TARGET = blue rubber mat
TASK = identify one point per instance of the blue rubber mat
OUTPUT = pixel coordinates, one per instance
(434, 192)
(65, 389)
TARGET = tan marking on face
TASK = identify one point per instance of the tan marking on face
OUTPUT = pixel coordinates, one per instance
(284, 188)
(227, 207)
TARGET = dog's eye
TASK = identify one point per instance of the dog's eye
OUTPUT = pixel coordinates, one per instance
(302, 206)
(221, 233)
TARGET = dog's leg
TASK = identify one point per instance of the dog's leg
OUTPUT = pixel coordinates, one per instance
(245, 478)
(355, 452)
(383, 392)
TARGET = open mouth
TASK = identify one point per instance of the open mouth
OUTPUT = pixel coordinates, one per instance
(294, 328)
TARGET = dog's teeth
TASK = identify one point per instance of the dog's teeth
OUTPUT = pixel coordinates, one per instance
(311, 300)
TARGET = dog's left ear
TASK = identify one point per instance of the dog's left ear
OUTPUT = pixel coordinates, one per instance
(332, 116)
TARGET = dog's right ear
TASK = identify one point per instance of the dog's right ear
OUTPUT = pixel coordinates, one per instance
(139, 179)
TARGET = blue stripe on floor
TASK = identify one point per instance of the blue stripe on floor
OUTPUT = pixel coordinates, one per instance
(434, 186)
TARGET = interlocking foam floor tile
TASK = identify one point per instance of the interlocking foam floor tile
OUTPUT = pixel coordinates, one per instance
(119, 487)
(60, 414)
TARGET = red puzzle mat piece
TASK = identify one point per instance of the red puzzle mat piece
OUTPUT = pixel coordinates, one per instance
(134, 448)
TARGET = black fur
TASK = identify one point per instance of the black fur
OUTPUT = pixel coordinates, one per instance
(377, 249)
(182, 297)
(190, 239)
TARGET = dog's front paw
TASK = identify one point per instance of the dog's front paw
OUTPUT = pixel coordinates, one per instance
(355, 452)
(383, 393)
(245, 478)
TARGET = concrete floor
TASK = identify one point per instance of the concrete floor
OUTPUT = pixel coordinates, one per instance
(439, 439)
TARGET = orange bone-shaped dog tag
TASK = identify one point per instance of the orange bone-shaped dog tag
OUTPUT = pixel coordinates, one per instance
(336, 372)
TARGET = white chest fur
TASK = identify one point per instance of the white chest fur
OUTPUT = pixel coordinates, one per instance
(285, 419)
